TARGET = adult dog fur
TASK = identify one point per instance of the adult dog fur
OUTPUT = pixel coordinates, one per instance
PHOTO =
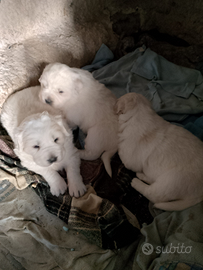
(86, 103)
(167, 158)
(43, 141)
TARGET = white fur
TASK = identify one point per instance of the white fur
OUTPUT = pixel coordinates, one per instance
(167, 158)
(39, 135)
(86, 103)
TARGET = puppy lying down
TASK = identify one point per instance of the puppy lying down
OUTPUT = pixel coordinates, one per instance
(85, 103)
(167, 158)
(43, 141)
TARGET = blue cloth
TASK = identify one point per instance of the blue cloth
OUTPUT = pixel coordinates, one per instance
(102, 58)
(196, 128)
(174, 91)
(164, 75)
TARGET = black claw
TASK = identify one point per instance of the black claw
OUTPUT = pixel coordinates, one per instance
(79, 193)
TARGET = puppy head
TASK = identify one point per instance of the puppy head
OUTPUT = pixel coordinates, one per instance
(129, 102)
(59, 83)
(43, 137)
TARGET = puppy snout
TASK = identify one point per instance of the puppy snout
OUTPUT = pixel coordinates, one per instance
(52, 160)
(48, 101)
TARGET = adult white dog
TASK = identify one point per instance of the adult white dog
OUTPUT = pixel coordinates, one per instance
(43, 141)
(167, 158)
(86, 103)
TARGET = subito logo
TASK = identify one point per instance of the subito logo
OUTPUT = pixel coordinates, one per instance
(147, 249)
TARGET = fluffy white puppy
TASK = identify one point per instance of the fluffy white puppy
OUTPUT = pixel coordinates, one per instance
(167, 158)
(86, 103)
(43, 141)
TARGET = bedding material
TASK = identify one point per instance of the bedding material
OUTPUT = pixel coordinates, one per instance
(101, 230)
(105, 225)
(175, 91)
(80, 233)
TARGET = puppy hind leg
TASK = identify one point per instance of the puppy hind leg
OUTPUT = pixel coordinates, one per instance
(144, 178)
(143, 188)
(93, 147)
(89, 154)
(106, 158)
(177, 205)
(92, 155)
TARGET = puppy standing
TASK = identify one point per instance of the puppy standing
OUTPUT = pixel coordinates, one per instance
(43, 141)
(166, 157)
(85, 103)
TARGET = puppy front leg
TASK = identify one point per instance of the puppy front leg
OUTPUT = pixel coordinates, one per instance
(56, 182)
(75, 182)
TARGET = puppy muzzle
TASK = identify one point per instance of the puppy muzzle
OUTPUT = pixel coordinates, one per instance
(52, 160)
(48, 101)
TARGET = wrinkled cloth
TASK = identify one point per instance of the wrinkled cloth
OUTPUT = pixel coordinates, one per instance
(98, 219)
(103, 57)
(196, 127)
(173, 237)
(174, 91)
(31, 238)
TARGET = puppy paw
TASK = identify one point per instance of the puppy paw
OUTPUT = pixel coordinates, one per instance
(58, 187)
(77, 189)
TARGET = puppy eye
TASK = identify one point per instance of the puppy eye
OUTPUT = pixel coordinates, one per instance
(60, 91)
(56, 140)
(36, 146)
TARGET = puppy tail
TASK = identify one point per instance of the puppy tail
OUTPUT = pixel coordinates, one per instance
(106, 158)
(177, 205)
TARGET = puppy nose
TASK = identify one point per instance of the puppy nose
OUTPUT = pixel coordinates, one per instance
(48, 101)
(52, 160)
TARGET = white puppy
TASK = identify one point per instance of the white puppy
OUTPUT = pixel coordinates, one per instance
(167, 158)
(43, 141)
(86, 103)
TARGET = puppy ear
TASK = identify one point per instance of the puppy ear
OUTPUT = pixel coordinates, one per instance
(119, 107)
(18, 140)
(44, 115)
(62, 123)
(78, 84)
(125, 103)
(43, 82)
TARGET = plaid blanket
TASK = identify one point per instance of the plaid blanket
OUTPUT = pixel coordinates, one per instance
(98, 214)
